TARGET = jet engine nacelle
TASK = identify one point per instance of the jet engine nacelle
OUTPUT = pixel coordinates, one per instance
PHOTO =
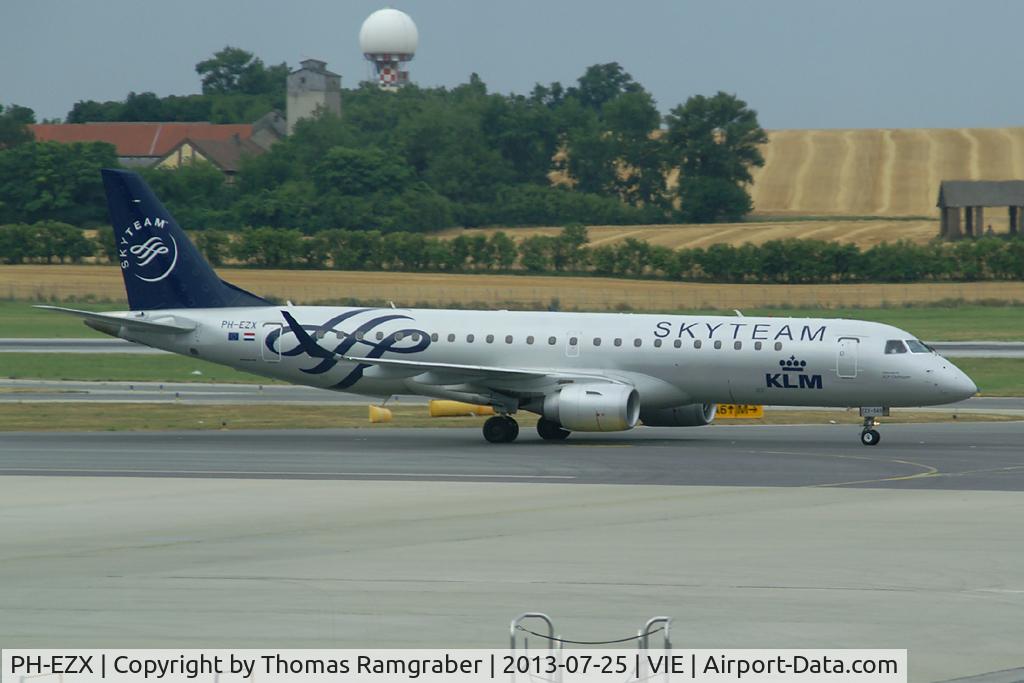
(594, 407)
(691, 415)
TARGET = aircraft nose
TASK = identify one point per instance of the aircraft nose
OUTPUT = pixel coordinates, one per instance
(957, 384)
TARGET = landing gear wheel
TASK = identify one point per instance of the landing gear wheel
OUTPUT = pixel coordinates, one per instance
(550, 430)
(870, 437)
(501, 429)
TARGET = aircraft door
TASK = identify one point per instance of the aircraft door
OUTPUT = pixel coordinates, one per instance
(271, 352)
(572, 344)
(846, 361)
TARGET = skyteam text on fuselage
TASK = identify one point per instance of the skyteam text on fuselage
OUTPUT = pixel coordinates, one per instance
(578, 371)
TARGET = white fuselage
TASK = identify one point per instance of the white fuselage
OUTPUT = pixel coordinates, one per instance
(670, 359)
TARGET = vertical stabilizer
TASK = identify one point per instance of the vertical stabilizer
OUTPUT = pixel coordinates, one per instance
(160, 265)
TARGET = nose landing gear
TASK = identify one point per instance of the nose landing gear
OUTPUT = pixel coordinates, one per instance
(870, 436)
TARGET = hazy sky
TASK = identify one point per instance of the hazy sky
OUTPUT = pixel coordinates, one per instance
(799, 63)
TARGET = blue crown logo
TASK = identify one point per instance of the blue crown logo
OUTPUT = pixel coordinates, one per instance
(791, 364)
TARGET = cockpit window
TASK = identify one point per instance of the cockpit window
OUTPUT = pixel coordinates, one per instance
(894, 346)
(918, 346)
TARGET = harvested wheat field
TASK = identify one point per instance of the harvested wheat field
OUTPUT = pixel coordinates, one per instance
(848, 174)
(864, 233)
(70, 283)
(879, 172)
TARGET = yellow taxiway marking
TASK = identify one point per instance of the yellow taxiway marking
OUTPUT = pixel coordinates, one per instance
(926, 470)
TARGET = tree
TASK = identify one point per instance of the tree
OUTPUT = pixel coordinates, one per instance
(360, 172)
(504, 250)
(705, 199)
(632, 119)
(570, 248)
(144, 106)
(592, 158)
(269, 247)
(602, 83)
(62, 242)
(215, 245)
(14, 122)
(54, 181)
(713, 142)
(196, 193)
(535, 253)
(15, 243)
(233, 70)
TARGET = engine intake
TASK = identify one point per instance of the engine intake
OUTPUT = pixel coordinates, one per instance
(594, 407)
(691, 415)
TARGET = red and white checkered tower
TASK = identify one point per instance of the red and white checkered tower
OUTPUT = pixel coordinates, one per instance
(388, 40)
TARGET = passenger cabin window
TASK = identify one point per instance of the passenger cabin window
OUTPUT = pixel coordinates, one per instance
(697, 343)
(597, 341)
(573, 341)
(490, 339)
(757, 346)
(551, 341)
(618, 341)
(433, 337)
(380, 335)
(894, 346)
(399, 336)
(637, 343)
(451, 337)
(678, 343)
(737, 345)
(657, 343)
(529, 340)
(508, 339)
(918, 346)
(469, 338)
(778, 346)
(718, 343)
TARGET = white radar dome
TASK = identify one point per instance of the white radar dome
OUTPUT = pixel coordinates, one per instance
(389, 32)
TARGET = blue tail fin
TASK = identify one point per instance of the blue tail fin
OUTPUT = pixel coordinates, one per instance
(160, 265)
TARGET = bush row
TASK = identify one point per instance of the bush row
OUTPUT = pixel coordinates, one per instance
(789, 261)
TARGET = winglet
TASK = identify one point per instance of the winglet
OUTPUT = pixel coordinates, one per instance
(307, 343)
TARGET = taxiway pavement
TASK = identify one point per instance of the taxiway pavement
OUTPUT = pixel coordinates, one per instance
(197, 393)
(749, 536)
(964, 456)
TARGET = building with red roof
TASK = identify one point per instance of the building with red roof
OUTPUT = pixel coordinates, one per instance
(147, 144)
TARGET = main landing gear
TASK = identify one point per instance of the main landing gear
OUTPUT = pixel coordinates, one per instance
(870, 436)
(550, 430)
(504, 429)
(501, 429)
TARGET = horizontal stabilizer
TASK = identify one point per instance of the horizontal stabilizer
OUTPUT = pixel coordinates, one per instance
(109, 323)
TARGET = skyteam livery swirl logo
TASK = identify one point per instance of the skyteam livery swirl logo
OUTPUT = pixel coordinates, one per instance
(371, 342)
(149, 255)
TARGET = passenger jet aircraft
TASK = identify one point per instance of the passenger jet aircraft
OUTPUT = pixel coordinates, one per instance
(585, 372)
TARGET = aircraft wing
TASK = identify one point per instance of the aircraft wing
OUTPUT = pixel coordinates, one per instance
(445, 367)
(109, 323)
